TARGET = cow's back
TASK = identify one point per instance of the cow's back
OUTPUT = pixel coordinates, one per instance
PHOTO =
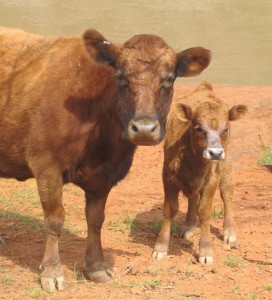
(46, 90)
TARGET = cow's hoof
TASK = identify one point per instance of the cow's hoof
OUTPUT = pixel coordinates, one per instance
(100, 276)
(51, 284)
(206, 260)
(231, 240)
(159, 254)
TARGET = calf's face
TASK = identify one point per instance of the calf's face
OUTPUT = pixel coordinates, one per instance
(210, 127)
(146, 68)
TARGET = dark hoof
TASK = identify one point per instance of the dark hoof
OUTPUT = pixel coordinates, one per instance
(100, 276)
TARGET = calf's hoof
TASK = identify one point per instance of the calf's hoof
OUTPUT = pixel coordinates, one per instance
(187, 232)
(49, 285)
(205, 252)
(102, 276)
(159, 254)
(206, 260)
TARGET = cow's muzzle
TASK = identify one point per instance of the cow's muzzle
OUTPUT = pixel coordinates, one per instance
(145, 132)
(214, 153)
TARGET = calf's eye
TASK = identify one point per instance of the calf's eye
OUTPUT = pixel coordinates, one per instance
(171, 79)
(199, 129)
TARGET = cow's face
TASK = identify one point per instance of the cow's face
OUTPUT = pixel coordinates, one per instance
(146, 68)
(209, 126)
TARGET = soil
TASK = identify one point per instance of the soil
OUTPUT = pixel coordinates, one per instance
(133, 214)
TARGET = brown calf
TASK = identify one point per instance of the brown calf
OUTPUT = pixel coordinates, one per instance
(195, 162)
(74, 110)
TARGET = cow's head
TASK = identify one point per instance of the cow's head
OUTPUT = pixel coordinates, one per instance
(209, 125)
(146, 68)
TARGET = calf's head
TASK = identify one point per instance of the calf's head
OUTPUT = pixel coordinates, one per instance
(209, 126)
(146, 68)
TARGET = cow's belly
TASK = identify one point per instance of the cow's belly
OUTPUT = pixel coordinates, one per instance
(9, 169)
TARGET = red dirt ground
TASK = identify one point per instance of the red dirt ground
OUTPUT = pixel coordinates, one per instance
(131, 227)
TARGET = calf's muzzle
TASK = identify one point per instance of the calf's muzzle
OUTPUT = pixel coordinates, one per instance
(145, 131)
(214, 153)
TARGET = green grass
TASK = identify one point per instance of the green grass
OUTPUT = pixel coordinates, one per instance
(17, 220)
(148, 284)
(6, 201)
(217, 213)
(268, 287)
(34, 292)
(265, 158)
(232, 261)
(7, 280)
(129, 222)
(236, 289)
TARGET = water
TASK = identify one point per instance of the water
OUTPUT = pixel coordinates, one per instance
(238, 32)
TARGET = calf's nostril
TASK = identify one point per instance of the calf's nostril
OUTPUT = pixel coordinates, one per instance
(134, 128)
(154, 128)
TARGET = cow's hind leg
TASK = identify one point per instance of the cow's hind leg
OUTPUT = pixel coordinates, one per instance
(96, 268)
(226, 191)
(49, 182)
(170, 210)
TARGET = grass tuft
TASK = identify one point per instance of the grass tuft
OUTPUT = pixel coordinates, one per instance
(232, 261)
(268, 287)
(265, 158)
(34, 292)
(217, 213)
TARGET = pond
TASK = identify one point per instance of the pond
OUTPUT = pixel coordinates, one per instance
(238, 32)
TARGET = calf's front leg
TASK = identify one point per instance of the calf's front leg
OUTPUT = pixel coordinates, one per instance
(204, 214)
(191, 217)
(226, 191)
(96, 268)
(170, 210)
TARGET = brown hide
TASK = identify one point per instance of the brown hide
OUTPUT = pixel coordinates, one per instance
(73, 110)
(195, 162)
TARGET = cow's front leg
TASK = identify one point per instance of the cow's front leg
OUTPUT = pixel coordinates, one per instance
(96, 268)
(50, 184)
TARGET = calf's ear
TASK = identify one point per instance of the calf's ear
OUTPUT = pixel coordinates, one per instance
(192, 61)
(183, 111)
(100, 49)
(237, 112)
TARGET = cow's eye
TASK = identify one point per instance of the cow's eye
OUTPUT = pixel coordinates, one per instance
(168, 82)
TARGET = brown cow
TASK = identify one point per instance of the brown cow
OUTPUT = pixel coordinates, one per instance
(195, 162)
(74, 110)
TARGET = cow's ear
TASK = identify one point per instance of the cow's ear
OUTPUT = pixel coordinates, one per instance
(237, 112)
(99, 48)
(192, 61)
(183, 111)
